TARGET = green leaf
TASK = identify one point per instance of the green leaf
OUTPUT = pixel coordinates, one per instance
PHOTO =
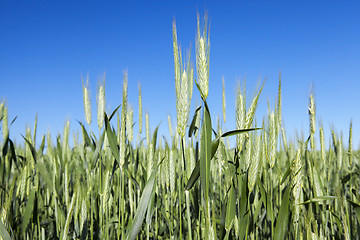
(4, 234)
(286, 175)
(68, 218)
(98, 148)
(337, 220)
(42, 146)
(154, 139)
(194, 176)
(319, 199)
(201, 93)
(13, 154)
(45, 175)
(193, 128)
(356, 207)
(238, 131)
(113, 113)
(267, 201)
(32, 148)
(5, 146)
(357, 211)
(28, 210)
(86, 137)
(135, 227)
(112, 139)
(215, 143)
(227, 235)
(282, 218)
(244, 195)
(230, 208)
(205, 152)
(13, 120)
(243, 225)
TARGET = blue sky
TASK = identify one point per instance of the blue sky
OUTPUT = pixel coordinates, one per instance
(45, 47)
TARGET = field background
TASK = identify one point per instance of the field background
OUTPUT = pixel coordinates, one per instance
(46, 47)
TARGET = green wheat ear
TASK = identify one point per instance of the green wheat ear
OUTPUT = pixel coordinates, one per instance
(4, 120)
(183, 86)
(101, 105)
(296, 183)
(123, 120)
(202, 57)
(272, 136)
(170, 126)
(129, 124)
(2, 109)
(240, 117)
(176, 60)
(312, 119)
(140, 110)
(86, 98)
(254, 164)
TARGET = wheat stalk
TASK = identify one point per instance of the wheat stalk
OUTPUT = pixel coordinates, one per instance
(350, 151)
(172, 171)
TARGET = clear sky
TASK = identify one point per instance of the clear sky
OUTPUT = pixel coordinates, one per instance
(45, 47)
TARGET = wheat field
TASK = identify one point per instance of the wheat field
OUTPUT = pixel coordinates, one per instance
(193, 186)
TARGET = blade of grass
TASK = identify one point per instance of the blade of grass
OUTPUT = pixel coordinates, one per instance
(230, 209)
(86, 137)
(4, 234)
(205, 153)
(32, 148)
(68, 218)
(282, 218)
(28, 210)
(45, 175)
(135, 227)
(193, 128)
(112, 139)
(113, 113)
